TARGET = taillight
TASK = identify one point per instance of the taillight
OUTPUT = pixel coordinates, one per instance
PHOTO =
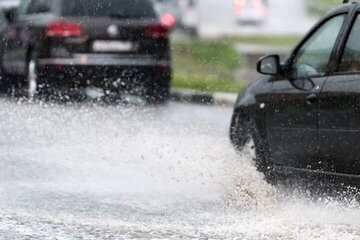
(168, 20)
(63, 29)
(238, 6)
(156, 31)
(259, 6)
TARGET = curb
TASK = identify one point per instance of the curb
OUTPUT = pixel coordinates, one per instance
(193, 96)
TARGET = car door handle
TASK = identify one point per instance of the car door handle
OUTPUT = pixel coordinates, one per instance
(311, 98)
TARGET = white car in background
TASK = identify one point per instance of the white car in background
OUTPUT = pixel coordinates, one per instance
(250, 11)
(190, 16)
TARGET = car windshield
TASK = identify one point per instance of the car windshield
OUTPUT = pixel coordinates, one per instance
(114, 8)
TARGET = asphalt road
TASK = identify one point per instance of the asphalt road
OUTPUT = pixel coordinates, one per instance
(284, 17)
(82, 171)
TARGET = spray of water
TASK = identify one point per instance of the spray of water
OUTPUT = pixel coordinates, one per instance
(161, 172)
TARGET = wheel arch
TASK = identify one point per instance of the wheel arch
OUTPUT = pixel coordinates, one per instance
(264, 160)
(250, 112)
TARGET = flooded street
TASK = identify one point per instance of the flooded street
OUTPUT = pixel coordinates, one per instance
(84, 171)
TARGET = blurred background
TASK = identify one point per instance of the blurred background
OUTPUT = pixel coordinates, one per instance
(216, 44)
(220, 51)
(132, 171)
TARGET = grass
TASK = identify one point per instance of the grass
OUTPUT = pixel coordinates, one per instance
(321, 7)
(206, 65)
(209, 64)
(271, 40)
(205, 84)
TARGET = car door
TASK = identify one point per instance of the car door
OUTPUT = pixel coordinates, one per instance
(292, 114)
(339, 109)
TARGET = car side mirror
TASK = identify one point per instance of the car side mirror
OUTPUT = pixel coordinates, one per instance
(10, 14)
(269, 65)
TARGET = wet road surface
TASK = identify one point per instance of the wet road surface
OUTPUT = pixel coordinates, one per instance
(83, 171)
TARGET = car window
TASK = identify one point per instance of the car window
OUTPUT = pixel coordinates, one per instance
(38, 6)
(2, 17)
(115, 8)
(313, 57)
(164, 1)
(350, 61)
(22, 9)
(27, 7)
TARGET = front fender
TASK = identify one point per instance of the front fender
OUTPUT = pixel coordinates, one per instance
(245, 101)
(249, 104)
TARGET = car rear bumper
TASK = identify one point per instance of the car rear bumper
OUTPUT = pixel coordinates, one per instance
(103, 60)
(250, 16)
(107, 73)
(254, 18)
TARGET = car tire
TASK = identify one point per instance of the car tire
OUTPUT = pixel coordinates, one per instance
(244, 133)
(5, 86)
(158, 92)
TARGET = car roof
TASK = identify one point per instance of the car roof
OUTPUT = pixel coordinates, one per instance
(342, 8)
(345, 7)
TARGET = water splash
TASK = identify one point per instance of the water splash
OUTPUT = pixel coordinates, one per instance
(167, 172)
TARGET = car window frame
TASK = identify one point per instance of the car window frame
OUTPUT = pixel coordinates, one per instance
(341, 52)
(21, 9)
(333, 59)
(20, 16)
(32, 2)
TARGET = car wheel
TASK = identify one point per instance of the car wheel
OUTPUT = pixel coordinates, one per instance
(157, 93)
(5, 86)
(244, 134)
(32, 78)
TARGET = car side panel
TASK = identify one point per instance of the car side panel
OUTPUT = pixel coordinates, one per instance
(251, 103)
(292, 125)
(339, 123)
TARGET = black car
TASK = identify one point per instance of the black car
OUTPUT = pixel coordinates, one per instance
(115, 45)
(304, 117)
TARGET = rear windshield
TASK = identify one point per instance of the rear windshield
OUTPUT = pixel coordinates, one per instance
(111, 8)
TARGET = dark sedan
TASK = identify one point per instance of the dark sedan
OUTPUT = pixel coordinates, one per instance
(304, 116)
(113, 45)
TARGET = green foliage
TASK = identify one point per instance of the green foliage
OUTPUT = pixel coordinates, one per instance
(205, 84)
(267, 40)
(321, 7)
(210, 64)
(207, 65)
